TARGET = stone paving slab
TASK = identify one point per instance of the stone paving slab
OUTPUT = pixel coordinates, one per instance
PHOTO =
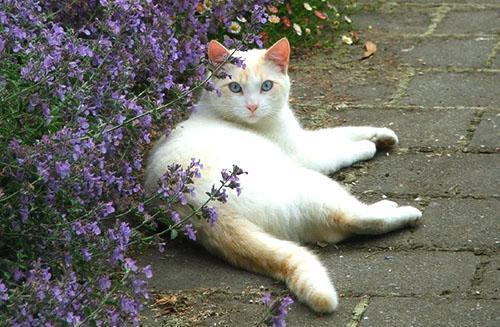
(452, 224)
(415, 128)
(187, 265)
(487, 135)
(397, 21)
(326, 86)
(489, 286)
(397, 312)
(425, 174)
(398, 273)
(471, 53)
(454, 89)
(482, 21)
(496, 61)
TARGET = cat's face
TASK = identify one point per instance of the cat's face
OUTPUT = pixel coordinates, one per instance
(258, 90)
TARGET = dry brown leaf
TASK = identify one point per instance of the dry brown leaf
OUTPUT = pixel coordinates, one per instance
(370, 48)
(171, 304)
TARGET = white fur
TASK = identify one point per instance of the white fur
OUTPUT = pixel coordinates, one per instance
(286, 195)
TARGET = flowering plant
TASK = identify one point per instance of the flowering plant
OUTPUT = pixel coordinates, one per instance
(307, 22)
(84, 88)
(277, 310)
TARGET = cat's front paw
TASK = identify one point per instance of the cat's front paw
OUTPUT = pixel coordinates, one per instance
(385, 138)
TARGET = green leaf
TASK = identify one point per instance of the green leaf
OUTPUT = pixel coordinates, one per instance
(173, 234)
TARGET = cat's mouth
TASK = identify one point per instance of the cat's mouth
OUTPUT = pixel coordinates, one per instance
(252, 118)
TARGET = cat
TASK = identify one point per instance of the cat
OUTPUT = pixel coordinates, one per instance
(287, 199)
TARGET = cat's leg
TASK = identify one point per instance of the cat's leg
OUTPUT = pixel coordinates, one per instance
(327, 155)
(246, 245)
(328, 150)
(383, 137)
(324, 211)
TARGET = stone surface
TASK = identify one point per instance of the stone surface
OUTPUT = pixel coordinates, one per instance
(433, 174)
(451, 224)
(316, 85)
(482, 21)
(471, 53)
(395, 273)
(186, 265)
(489, 285)
(496, 61)
(487, 135)
(454, 89)
(415, 128)
(416, 312)
(396, 21)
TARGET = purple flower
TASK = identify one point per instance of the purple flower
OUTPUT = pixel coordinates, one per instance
(63, 169)
(148, 271)
(161, 247)
(87, 256)
(78, 228)
(108, 209)
(266, 299)
(176, 218)
(94, 228)
(211, 214)
(4, 296)
(104, 282)
(190, 232)
(130, 264)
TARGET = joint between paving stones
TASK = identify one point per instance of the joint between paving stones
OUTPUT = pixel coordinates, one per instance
(438, 16)
(473, 125)
(477, 278)
(492, 55)
(402, 86)
(358, 311)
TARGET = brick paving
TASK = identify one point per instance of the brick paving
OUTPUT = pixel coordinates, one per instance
(435, 80)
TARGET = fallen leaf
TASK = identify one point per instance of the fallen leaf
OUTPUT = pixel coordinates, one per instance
(272, 9)
(320, 14)
(171, 304)
(370, 48)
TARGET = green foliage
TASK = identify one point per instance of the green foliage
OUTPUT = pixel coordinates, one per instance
(309, 23)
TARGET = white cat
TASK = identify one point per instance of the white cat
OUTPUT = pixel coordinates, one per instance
(286, 197)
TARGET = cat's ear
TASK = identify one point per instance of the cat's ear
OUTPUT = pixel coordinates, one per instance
(217, 52)
(279, 54)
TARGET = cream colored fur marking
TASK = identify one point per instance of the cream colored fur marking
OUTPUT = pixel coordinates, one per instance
(286, 196)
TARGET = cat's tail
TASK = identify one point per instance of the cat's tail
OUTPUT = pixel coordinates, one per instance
(246, 245)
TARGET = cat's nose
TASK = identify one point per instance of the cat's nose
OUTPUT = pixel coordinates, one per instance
(252, 107)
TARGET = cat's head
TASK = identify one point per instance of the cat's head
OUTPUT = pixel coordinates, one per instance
(259, 90)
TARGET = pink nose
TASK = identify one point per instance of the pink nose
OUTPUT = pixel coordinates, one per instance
(252, 107)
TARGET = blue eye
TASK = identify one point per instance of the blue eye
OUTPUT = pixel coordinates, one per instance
(235, 87)
(266, 86)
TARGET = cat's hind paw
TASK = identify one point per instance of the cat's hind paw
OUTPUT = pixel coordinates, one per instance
(385, 138)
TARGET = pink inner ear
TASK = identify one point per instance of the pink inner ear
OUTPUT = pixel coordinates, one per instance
(279, 54)
(217, 52)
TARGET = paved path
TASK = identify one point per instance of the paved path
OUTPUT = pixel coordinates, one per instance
(435, 80)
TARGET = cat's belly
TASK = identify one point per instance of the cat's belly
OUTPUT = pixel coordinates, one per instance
(217, 148)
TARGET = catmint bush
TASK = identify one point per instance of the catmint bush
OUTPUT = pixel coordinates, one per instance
(85, 86)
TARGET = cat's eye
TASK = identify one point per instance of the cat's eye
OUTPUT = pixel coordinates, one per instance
(266, 86)
(235, 87)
